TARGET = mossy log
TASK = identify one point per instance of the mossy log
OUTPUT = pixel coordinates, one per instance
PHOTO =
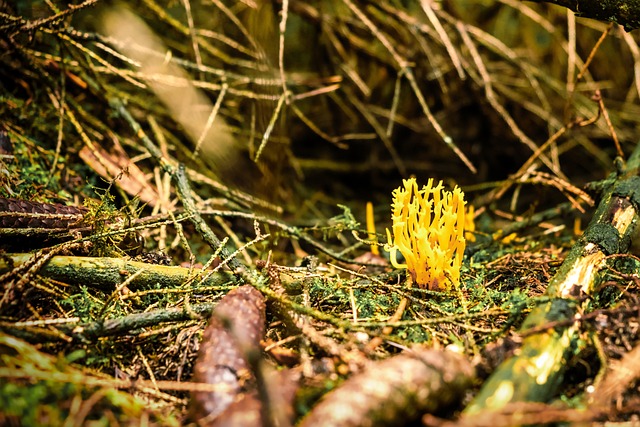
(552, 330)
(106, 273)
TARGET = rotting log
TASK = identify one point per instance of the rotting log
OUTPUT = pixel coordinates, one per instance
(552, 330)
(105, 273)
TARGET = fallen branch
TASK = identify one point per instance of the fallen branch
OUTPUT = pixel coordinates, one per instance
(395, 391)
(106, 273)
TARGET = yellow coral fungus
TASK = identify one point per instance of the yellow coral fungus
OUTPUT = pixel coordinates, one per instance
(469, 224)
(428, 230)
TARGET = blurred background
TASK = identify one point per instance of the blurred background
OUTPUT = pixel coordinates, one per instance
(311, 104)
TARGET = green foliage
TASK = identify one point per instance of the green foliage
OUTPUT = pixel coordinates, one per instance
(38, 389)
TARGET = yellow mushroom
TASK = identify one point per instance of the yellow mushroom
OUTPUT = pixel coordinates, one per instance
(428, 230)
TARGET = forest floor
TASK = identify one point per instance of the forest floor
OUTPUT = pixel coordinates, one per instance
(196, 215)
